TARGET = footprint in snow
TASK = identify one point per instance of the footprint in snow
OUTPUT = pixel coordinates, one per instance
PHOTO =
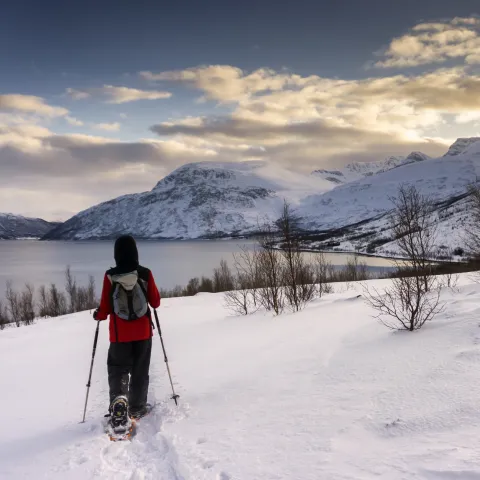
(223, 476)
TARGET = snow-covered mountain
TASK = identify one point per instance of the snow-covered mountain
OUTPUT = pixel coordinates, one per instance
(353, 216)
(16, 226)
(206, 200)
(197, 200)
(356, 171)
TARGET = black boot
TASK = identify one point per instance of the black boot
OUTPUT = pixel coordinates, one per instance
(139, 412)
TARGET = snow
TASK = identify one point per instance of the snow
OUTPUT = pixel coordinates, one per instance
(327, 393)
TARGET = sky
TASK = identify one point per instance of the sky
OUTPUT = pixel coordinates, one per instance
(100, 98)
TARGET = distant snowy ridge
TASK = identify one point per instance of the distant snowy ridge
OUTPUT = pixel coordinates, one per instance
(356, 171)
(16, 227)
(461, 145)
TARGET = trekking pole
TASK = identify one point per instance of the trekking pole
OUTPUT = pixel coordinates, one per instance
(174, 397)
(91, 368)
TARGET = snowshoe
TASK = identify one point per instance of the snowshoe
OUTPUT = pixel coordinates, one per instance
(119, 426)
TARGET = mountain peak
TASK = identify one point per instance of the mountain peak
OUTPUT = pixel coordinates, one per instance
(416, 157)
(461, 145)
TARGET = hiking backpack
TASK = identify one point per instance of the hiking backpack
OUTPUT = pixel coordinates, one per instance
(129, 296)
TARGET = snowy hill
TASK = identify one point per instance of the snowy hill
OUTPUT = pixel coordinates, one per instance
(327, 393)
(16, 226)
(197, 200)
(356, 171)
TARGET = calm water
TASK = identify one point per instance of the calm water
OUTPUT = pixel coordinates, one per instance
(172, 263)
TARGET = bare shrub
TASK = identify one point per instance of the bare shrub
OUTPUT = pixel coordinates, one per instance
(449, 280)
(323, 269)
(43, 308)
(4, 320)
(206, 285)
(92, 300)
(27, 305)
(240, 300)
(71, 289)
(57, 302)
(246, 264)
(356, 270)
(13, 304)
(223, 279)
(406, 304)
(192, 287)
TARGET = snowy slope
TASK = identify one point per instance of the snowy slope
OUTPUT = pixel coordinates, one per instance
(16, 226)
(328, 393)
(357, 170)
(196, 200)
(368, 197)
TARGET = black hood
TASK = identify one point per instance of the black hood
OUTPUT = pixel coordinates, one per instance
(126, 253)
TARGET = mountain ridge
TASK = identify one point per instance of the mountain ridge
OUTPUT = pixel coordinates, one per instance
(17, 226)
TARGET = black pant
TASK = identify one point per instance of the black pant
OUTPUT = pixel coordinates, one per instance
(132, 358)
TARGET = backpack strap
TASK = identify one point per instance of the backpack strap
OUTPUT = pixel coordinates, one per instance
(113, 309)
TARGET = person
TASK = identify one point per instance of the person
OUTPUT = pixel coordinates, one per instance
(128, 290)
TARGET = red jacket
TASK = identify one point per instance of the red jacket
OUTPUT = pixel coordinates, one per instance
(128, 331)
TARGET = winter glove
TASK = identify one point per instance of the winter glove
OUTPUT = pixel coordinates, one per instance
(95, 314)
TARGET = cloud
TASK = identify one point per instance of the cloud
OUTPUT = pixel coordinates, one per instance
(226, 83)
(77, 94)
(30, 104)
(430, 43)
(74, 121)
(118, 95)
(109, 127)
(82, 170)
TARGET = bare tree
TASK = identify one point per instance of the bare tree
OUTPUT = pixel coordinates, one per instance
(414, 230)
(13, 304)
(413, 298)
(270, 269)
(405, 305)
(298, 273)
(244, 298)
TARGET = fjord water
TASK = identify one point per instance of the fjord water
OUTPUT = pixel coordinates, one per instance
(172, 262)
